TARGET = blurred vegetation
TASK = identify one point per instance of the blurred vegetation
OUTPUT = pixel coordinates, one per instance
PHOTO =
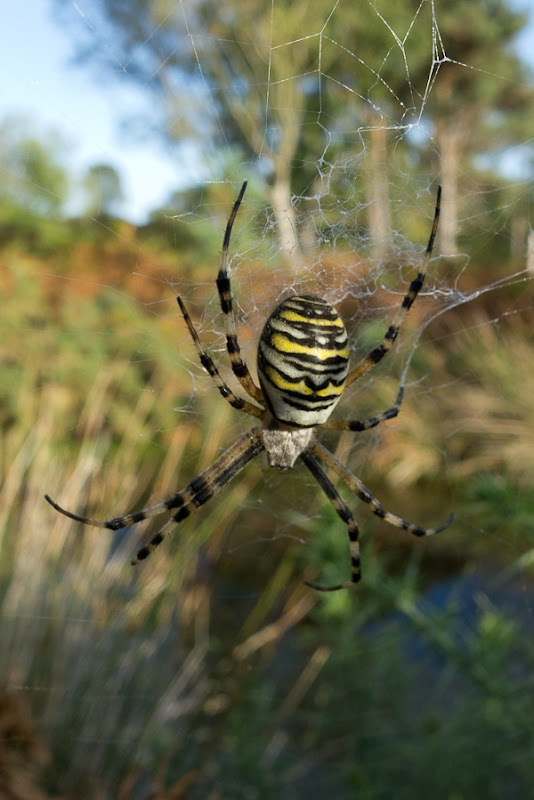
(211, 671)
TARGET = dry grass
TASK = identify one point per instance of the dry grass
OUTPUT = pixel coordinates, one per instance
(116, 655)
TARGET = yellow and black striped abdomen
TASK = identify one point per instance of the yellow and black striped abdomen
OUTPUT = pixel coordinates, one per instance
(303, 360)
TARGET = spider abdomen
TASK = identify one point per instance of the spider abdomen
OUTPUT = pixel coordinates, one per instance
(303, 360)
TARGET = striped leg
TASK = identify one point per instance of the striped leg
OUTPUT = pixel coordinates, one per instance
(211, 369)
(198, 492)
(378, 352)
(239, 367)
(366, 424)
(345, 513)
(367, 496)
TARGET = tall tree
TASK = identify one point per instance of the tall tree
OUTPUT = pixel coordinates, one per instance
(261, 80)
(389, 59)
(233, 75)
(480, 78)
(32, 175)
(257, 77)
(102, 185)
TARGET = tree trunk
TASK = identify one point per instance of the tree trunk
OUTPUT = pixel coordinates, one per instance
(450, 140)
(530, 252)
(379, 220)
(286, 221)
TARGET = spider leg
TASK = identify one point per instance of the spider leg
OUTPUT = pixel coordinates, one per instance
(239, 368)
(207, 484)
(342, 511)
(199, 491)
(364, 494)
(211, 369)
(378, 352)
(366, 424)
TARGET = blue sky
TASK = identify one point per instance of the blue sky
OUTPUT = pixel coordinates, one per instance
(40, 82)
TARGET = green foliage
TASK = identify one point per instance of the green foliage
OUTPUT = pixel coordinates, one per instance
(33, 177)
(72, 349)
(40, 236)
(425, 698)
(502, 501)
(102, 185)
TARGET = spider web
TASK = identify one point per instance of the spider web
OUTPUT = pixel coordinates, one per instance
(366, 132)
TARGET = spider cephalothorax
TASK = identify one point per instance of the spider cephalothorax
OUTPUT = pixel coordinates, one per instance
(303, 369)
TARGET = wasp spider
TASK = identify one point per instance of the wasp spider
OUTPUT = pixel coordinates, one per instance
(303, 369)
